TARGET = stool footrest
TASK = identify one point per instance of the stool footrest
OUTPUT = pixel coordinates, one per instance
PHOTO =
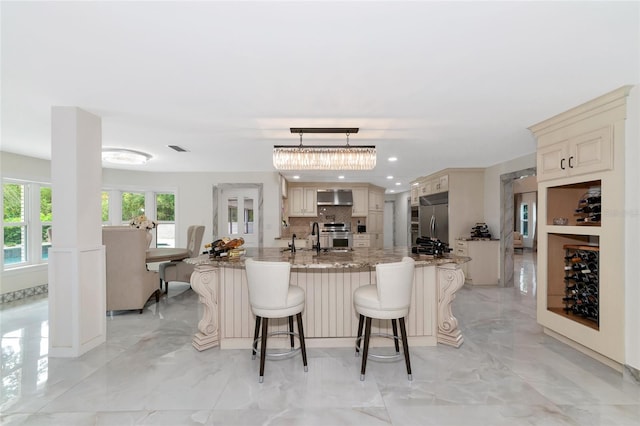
(396, 357)
(277, 355)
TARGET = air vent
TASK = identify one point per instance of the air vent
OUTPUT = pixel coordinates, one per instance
(178, 148)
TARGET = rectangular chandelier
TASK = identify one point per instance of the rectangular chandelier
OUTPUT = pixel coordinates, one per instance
(324, 157)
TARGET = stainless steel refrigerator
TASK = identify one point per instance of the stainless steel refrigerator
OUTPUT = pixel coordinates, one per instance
(434, 216)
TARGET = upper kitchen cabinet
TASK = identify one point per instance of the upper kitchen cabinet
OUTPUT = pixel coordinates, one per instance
(376, 200)
(440, 184)
(415, 196)
(424, 187)
(303, 201)
(360, 202)
(588, 152)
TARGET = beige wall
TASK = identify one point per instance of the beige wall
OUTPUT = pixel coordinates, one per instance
(193, 202)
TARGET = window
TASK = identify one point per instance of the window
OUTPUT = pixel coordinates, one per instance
(14, 198)
(26, 223)
(132, 206)
(166, 218)
(105, 207)
(45, 221)
(524, 219)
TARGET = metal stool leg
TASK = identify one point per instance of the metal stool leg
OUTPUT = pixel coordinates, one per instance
(365, 352)
(303, 347)
(255, 338)
(405, 345)
(360, 324)
(395, 334)
(291, 329)
(263, 348)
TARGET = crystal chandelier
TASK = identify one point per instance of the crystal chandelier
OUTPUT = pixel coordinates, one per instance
(324, 157)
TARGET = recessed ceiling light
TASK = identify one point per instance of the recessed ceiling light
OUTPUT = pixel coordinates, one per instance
(393, 159)
(296, 177)
(124, 156)
(398, 183)
(414, 184)
(389, 177)
(340, 177)
(392, 190)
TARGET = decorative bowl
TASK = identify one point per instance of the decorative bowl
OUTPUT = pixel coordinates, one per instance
(560, 221)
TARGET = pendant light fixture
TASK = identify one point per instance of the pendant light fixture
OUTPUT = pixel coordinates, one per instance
(324, 157)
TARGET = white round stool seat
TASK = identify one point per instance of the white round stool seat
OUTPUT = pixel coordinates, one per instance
(294, 305)
(367, 303)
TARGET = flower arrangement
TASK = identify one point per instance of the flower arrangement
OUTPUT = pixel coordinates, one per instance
(143, 222)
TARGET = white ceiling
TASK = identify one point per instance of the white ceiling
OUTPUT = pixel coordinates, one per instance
(436, 84)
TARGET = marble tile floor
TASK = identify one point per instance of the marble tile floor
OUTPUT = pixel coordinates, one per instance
(147, 373)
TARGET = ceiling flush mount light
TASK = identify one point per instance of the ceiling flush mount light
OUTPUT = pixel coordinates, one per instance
(324, 157)
(124, 156)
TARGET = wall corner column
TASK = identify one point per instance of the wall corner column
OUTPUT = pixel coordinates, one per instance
(77, 293)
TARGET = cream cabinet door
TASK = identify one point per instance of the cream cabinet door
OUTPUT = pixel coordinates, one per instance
(376, 200)
(360, 202)
(425, 188)
(303, 201)
(415, 197)
(591, 152)
(552, 161)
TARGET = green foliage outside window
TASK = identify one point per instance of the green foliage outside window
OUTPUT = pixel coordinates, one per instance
(165, 207)
(105, 206)
(45, 204)
(13, 199)
(132, 205)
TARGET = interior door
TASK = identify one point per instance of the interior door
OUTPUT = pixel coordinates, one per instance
(238, 213)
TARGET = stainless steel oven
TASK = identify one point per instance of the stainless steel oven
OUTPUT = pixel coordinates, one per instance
(336, 235)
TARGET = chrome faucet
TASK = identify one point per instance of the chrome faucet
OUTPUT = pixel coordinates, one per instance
(292, 246)
(316, 228)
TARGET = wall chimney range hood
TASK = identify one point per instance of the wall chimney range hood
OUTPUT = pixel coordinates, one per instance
(335, 197)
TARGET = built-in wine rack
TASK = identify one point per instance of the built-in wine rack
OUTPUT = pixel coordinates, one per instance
(582, 285)
(589, 208)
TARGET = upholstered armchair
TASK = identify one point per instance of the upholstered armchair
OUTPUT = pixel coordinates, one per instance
(129, 283)
(178, 270)
(517, 241)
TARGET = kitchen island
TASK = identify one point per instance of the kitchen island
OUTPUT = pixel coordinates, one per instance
(329, 280)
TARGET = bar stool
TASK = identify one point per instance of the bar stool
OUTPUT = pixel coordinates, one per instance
(388, 299)
(271, 296)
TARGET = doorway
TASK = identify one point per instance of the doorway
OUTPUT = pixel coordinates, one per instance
(507, 224)
(237, 212)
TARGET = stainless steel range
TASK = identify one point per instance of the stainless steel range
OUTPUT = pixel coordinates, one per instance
(336, 235)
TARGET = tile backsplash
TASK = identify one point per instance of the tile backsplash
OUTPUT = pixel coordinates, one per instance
(301, 226)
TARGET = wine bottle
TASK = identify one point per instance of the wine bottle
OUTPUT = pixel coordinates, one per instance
(589, 208)
(594, 199)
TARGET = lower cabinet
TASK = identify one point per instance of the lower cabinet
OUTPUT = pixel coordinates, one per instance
(361, 240)
(484, 267)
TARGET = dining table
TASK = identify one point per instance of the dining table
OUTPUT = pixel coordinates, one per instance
(165, 254)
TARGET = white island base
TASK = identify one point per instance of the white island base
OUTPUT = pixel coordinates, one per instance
(329, 317)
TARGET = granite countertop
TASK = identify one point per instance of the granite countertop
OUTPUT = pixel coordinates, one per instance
(308, 258)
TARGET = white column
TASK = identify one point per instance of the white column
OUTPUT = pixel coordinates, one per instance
(77, 296)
